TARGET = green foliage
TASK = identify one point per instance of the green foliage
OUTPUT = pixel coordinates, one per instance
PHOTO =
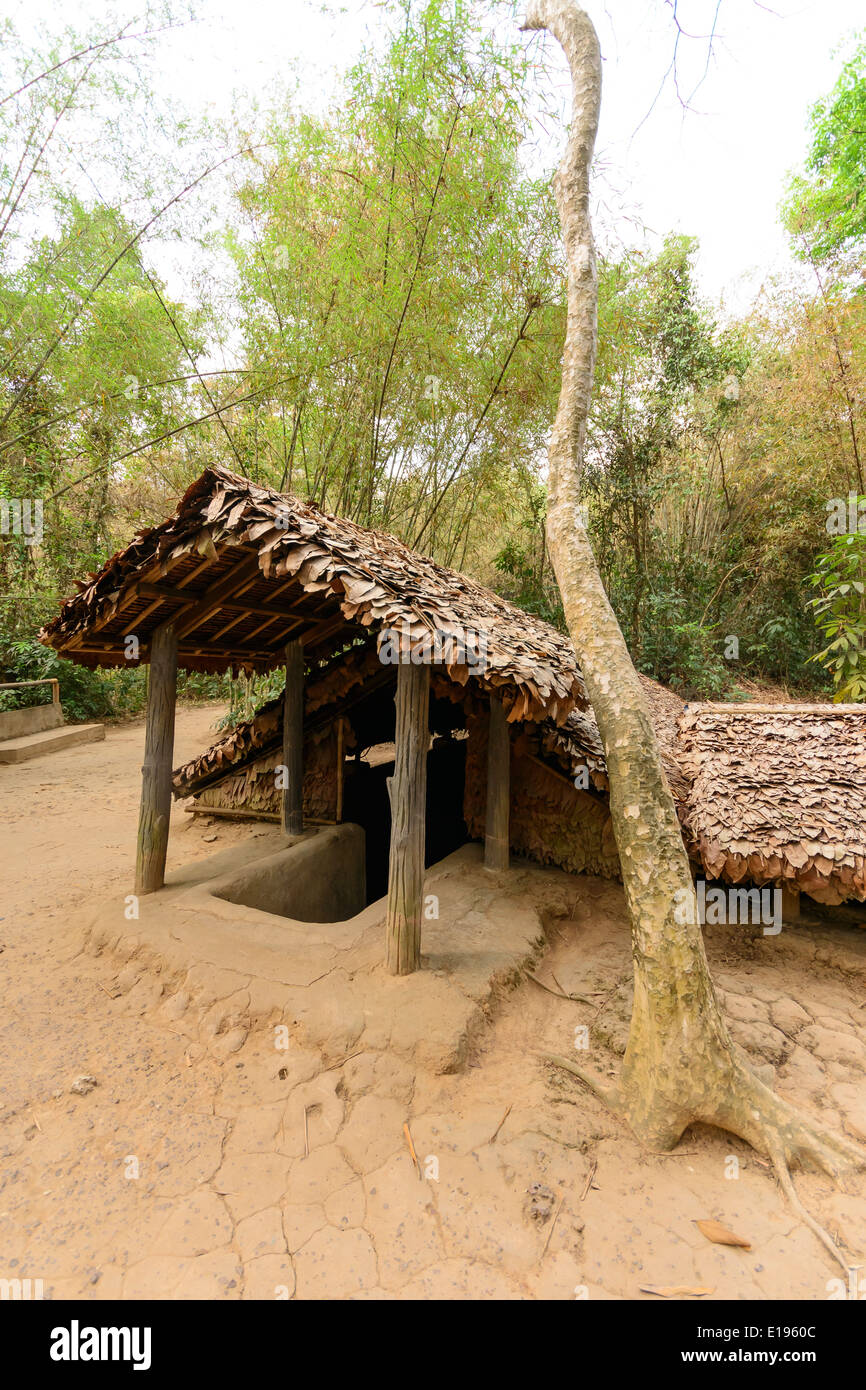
(527, 585)
(398, 298)
(401, 285)
(840, 612)
(247, 694)
(651, 485)
(83, 694)
(94, 354)
(90, 401)
(202, 687)
(681, 652)
(118, 693)
(825, 205)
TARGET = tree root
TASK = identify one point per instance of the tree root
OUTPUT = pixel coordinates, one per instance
(741, 1104)
(783, 1173)
(608, 1094)
(744, 1105)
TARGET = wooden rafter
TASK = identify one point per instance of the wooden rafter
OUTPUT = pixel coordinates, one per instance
(231, 586)
(165, 591)
(132, 594)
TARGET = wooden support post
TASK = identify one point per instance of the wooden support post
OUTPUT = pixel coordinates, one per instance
(341, 766)
(496, 841)
(155, 812)
(293, 741)
(790, 904)
(408, 792)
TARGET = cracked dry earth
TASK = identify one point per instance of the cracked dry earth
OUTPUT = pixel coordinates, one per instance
(265, 1174)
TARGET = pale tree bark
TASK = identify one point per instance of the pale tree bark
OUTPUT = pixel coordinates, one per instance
(680, 1064)
(407, 790)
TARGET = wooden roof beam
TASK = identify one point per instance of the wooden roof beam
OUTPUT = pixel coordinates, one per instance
(324, 629)
(219, 653)
(129, 596)
(293, 622)
(238, 618)
(232, 585)
(164, 591)
(279, 638)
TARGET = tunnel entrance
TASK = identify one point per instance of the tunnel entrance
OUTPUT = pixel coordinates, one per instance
(366, 802)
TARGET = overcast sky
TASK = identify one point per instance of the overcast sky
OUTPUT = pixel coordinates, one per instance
(715, 172)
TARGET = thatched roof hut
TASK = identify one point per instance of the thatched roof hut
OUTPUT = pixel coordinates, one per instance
(242, 569)
(244, 578)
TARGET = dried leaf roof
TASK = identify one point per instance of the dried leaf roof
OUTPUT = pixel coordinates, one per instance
(778, 792)
(250, 568)
(577, 741)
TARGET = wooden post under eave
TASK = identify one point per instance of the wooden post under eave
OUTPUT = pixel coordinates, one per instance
(408, 792)
(496, 841)
(790, 903)
(341, 767)
(155, 812)
(293, 741)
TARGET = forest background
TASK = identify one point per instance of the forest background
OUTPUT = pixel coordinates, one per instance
(372, 319)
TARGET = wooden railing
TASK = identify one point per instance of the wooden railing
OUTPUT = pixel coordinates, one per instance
(46, 680)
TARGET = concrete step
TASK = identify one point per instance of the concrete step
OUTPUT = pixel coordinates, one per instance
(20, 750)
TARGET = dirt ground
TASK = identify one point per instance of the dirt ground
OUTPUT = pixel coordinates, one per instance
(190, 1173)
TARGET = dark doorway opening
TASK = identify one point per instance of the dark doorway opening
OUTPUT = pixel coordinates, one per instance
(366, 802)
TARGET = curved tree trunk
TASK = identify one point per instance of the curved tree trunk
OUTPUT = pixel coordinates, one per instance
(680, 1064)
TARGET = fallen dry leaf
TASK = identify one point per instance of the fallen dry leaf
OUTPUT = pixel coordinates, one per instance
(674, 1290)
(720, 1235)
